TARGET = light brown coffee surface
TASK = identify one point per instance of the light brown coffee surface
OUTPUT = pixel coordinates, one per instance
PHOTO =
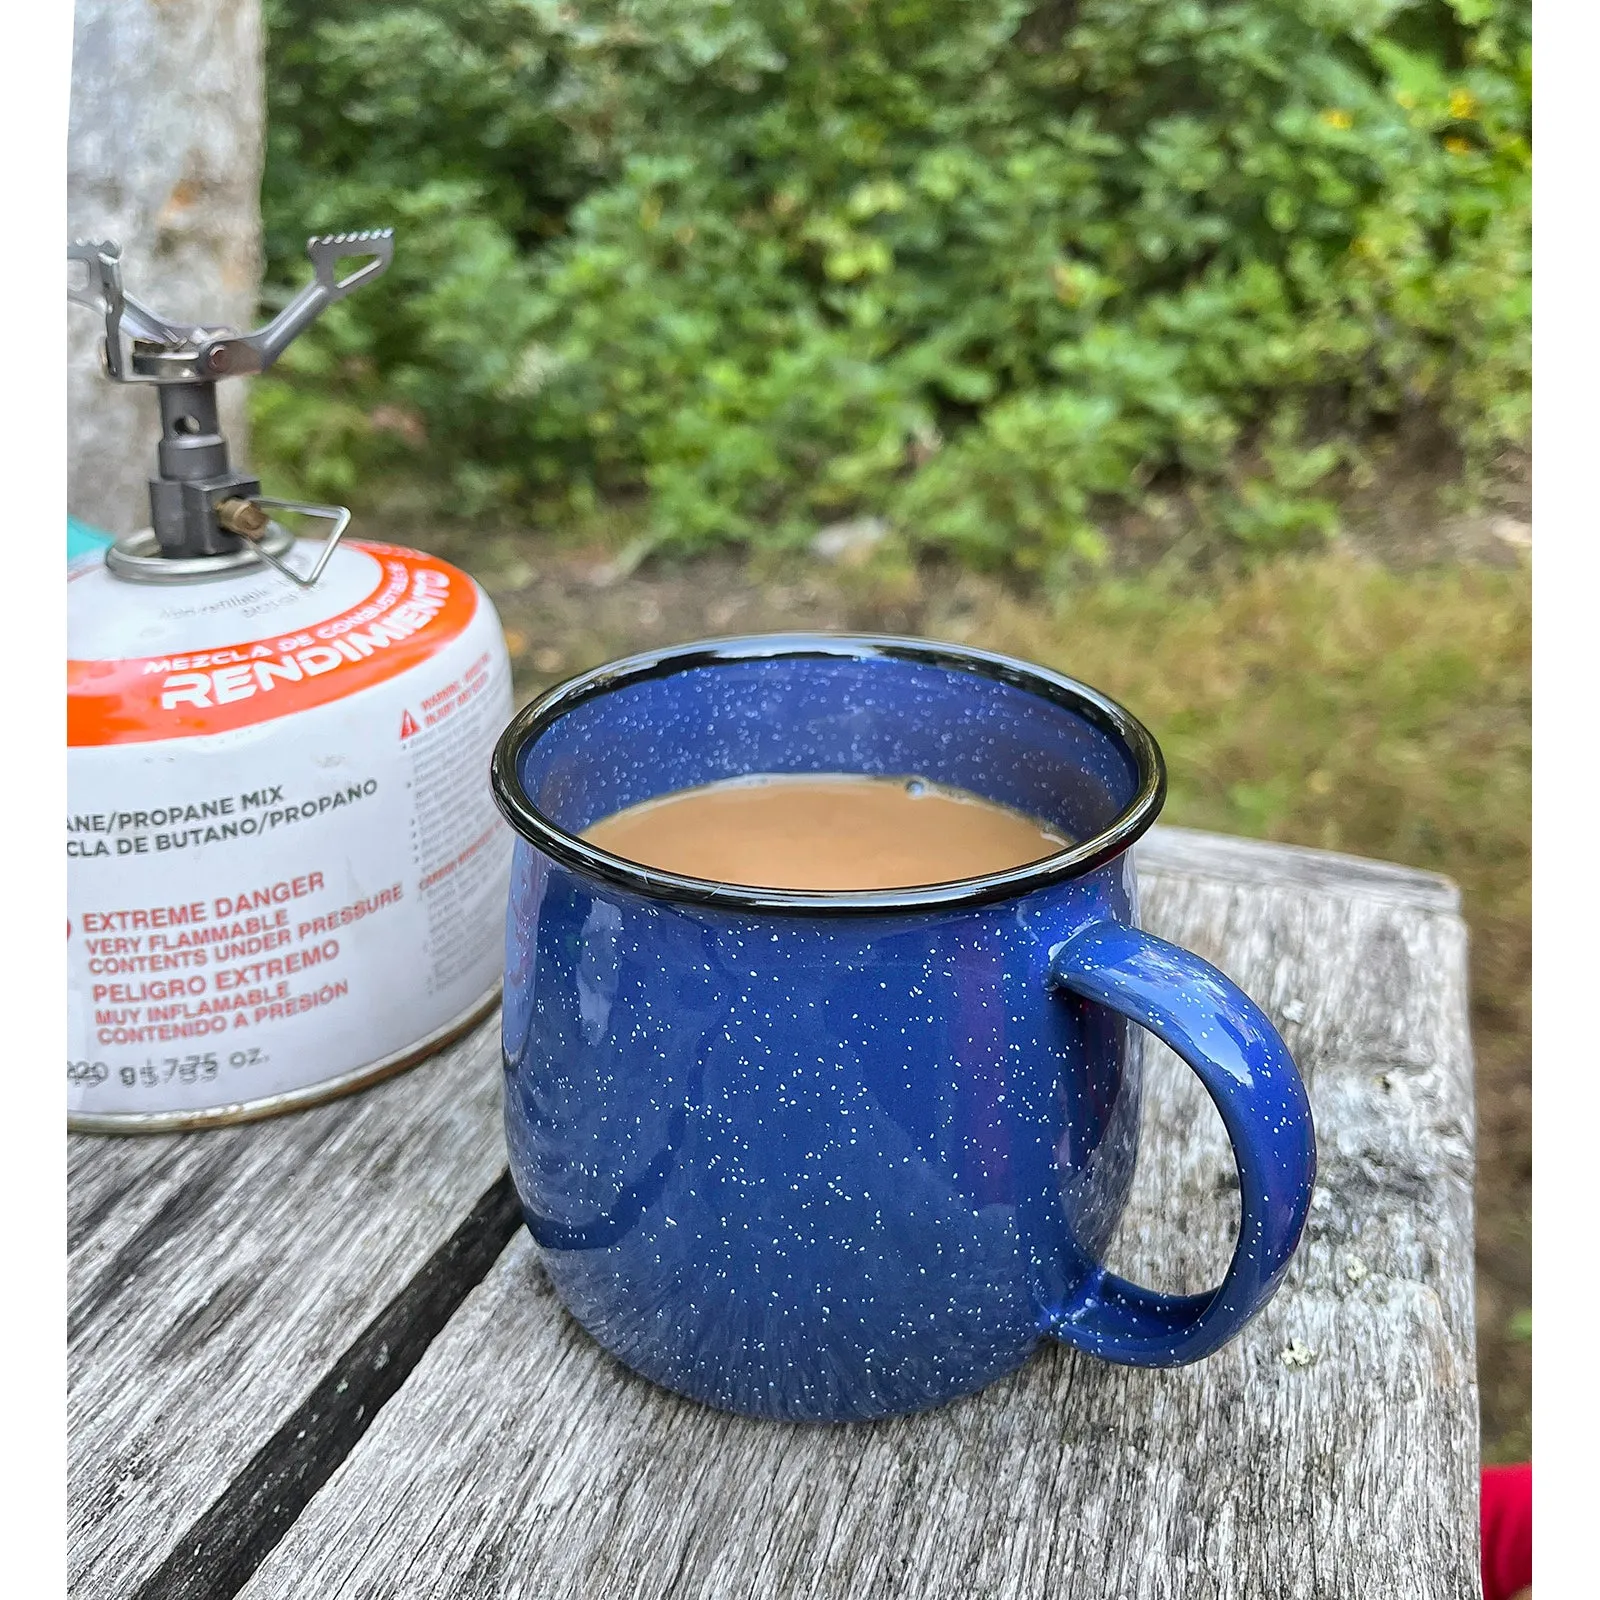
(825, 832)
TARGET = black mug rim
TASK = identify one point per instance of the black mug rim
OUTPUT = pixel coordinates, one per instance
(572, 851)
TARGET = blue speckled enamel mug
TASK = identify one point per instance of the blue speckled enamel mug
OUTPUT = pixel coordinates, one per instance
(834, 1156)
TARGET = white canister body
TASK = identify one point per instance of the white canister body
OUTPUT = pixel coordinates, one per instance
(286, 873)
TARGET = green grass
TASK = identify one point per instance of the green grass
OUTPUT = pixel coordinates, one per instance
(1327, 702)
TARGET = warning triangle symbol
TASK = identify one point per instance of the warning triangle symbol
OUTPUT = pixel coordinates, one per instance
(408, 725)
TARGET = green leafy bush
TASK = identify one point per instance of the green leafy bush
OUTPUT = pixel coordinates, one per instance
(983, 266)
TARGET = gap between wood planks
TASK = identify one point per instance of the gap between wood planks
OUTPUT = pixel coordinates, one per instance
(215, 1558)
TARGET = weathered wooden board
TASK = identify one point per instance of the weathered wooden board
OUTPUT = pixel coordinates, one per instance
(1329, 1452)
(241, 1300)
(1191, 853)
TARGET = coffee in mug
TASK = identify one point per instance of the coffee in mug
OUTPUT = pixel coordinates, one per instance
(826, 831)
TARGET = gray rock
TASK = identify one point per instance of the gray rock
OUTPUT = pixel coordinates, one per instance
(164, 156)
(1513, 531)
(848, 543)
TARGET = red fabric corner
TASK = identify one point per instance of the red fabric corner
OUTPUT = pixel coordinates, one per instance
(1507, 1522)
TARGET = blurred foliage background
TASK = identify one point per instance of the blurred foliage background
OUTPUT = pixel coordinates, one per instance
(1110, 323)
(988, 268)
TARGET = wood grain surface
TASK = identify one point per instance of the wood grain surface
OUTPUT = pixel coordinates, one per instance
(1329, 1453)
(1191, 853)
(222, 1282)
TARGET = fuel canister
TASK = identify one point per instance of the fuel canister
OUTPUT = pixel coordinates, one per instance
(286, 874)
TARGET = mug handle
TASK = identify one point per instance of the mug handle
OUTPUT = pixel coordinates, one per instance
(1219, 1031)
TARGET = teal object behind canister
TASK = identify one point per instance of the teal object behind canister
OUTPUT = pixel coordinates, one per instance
(82, 540)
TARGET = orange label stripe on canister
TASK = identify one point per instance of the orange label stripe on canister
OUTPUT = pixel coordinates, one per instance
(417, 605)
